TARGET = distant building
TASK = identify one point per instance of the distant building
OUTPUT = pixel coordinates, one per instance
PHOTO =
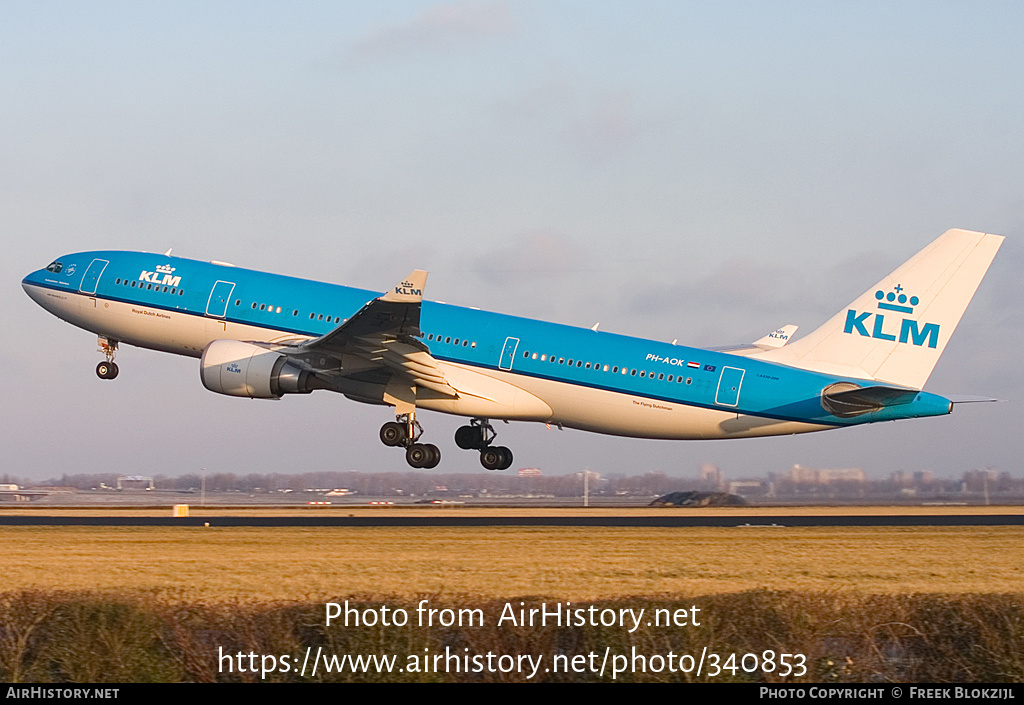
(529, 472)
(711, 477)
(749, 488)
(799, 475)
(134, 482)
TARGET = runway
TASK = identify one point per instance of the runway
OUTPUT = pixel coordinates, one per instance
(669, 521)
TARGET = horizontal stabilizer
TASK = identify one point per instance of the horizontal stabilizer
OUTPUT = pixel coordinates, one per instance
(968, 399)
(847, 400)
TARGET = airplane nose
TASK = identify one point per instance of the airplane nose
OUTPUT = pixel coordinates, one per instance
(29, 286)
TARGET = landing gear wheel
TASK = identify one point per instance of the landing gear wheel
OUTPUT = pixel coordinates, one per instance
(496, 458)
(435, 453)
(393, 434)
(469, 438)
(506, 458)
(106, 370)
(422, 455)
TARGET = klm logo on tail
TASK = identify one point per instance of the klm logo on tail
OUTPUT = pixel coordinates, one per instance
(909, 330)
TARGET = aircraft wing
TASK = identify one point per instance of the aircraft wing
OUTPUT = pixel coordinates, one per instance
(775, 339)
(384, 334)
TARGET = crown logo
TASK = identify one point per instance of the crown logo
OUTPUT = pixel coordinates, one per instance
(164, 268)
(896, 300)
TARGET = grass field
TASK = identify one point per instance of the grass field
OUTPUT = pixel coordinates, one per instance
(275, 564)
(361, 510)
(863, 604)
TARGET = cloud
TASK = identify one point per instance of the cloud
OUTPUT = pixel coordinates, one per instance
(530, 257)
(609, 125)
(438, 29)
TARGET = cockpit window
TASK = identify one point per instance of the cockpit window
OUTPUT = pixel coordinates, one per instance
(54, 267)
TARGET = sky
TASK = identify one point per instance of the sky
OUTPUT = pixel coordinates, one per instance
(672, 170)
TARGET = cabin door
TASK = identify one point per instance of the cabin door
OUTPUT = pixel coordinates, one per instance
(729, 386)
(508, 353)
(217, 306)
(92, 276)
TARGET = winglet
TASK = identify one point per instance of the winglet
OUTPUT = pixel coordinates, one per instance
(777, 338)
(409, 290)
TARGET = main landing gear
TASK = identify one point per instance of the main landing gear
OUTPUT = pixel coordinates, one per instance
(478, 436)
(405, 431)
(108, 369)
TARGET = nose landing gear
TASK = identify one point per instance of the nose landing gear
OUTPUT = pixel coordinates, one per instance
(478, 436)
(108, 369)
(405, 431)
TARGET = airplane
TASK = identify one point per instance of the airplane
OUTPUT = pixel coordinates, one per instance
(263, 336)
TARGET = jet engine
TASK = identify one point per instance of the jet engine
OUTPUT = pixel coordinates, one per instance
(245, 370)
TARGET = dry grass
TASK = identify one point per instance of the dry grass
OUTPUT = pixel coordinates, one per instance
(362, 510)
(272, 564)
(841, 637)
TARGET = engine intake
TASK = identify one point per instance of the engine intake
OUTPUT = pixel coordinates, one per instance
(240, 369)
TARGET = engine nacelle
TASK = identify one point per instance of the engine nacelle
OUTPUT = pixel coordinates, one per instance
(245, 370)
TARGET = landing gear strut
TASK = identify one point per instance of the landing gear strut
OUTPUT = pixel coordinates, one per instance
(405, 431)
(108, 369)
(478, 436)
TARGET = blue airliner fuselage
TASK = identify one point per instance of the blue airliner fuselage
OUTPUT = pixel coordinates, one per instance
(393, 348)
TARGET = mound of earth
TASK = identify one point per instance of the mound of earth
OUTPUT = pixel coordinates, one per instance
(699, 499)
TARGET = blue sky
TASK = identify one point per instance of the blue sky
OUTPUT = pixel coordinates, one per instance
(700, 171)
